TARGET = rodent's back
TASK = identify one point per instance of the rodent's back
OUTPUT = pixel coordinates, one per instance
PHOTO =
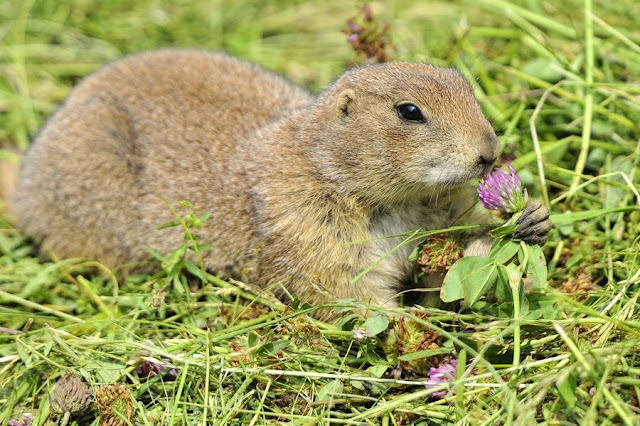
(157, 123)
(187, 88)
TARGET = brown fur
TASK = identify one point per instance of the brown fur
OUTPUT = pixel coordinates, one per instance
(290, 179)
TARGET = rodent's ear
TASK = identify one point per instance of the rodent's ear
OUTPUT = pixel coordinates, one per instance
(346, 102)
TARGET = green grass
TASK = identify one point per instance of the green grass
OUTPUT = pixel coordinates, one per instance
(559, 80)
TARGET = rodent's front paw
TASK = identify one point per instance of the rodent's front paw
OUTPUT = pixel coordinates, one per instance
(533, 224)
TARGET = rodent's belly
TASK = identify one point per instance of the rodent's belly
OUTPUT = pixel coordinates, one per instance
(403, 222)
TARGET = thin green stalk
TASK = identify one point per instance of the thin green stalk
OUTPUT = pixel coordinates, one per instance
(236, 401)
(264, 397)
(87, 288)
(573, 347)
(536, 144)
(513, 123)
(462, 362)
(38, 307)
(511, 409)
(176, 402)
(562, 93)
(207, 378)
(382, 258)
(633, 46)
(515, 279)
(588, 104)
(601, 389)
(536, 18)
(515, 287)
(629, 182)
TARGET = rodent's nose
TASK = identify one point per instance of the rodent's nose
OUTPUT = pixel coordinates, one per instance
(488, 153)
(487, 160)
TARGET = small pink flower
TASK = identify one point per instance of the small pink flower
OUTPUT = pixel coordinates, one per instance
(359, 335)
(446, 373)
(25, 420)
(152, 369)
(354, 27)
(352, 38)
(502, 190)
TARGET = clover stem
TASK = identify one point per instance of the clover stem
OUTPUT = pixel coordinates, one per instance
(514, 275)
(515, 288)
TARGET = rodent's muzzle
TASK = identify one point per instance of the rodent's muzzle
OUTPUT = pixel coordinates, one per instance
(488, 153)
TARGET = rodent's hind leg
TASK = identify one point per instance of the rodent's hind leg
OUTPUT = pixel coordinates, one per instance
(77, 193)
(534, 224)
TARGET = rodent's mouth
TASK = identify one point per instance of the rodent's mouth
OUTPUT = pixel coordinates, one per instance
(486, 169)
(460, 179)
(444, 176)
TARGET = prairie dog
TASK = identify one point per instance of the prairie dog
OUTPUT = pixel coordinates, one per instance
(301, 189)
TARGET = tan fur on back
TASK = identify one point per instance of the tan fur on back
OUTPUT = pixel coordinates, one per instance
(291, 180)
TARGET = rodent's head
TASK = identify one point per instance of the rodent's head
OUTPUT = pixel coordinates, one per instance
(409, 124)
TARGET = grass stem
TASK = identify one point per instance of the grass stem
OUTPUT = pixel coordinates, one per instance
(588, 99)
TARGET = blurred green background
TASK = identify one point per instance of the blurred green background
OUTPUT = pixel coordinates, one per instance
(47, 45)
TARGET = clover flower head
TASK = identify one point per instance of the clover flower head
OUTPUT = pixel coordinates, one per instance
(446, 373)
(359, 335)
(152, 369)
(115, 404)
(71, 396)
(502, 190)
(368, 36)
(25, 420)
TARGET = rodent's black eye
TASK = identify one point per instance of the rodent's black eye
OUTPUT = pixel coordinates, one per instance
(410, 112)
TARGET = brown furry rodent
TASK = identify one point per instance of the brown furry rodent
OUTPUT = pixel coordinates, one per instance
(301, 189)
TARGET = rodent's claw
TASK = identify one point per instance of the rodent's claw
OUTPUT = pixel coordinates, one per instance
(533, 224)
